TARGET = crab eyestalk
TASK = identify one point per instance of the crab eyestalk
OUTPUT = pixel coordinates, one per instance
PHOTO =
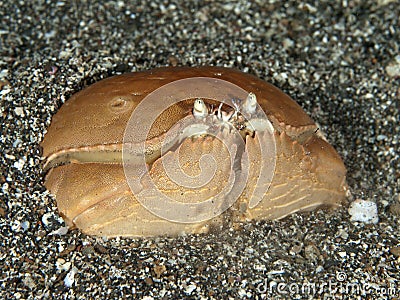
(250, 104)
(200, 110)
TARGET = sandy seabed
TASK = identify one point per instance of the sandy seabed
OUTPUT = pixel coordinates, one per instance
(339, 59)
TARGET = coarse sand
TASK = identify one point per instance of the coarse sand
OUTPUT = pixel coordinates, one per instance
(339, 59)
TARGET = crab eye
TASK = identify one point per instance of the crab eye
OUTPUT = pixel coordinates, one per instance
(199, 109)
(250, 104)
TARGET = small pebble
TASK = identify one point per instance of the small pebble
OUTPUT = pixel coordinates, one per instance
(19, 111)
(393, 69)
(190, 288)
(395, 251)
(395, 208)
(60, 231)
(70, 277)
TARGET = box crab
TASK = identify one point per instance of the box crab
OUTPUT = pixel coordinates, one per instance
(88, 158)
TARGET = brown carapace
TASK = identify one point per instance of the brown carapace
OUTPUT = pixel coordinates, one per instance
(84, 144)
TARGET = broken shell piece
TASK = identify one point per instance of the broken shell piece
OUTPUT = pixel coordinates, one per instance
(84, 143)
(363, 211)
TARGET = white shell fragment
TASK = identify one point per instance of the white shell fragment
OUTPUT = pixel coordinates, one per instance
(70, 277)
(60, 231)
(364, 211)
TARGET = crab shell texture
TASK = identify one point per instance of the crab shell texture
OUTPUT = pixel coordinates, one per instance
(93, 195)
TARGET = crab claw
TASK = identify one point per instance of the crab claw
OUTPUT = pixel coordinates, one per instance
(219, 112)
(250, 104)
(234, 115)
(199, 109)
